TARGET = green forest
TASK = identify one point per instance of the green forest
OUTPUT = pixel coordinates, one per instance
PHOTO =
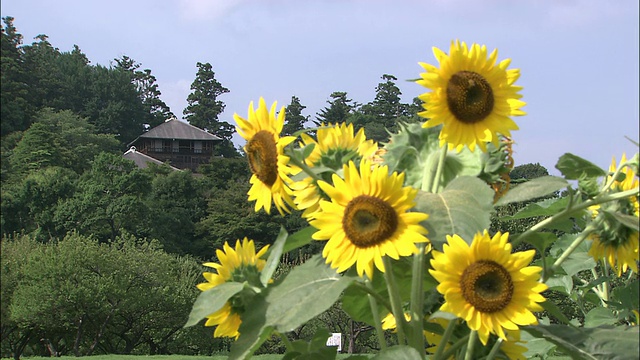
(102, 257)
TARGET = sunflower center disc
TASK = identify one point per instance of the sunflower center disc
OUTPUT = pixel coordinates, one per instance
(263, 157)
(369, 221)
(469, 96)
(487, 286)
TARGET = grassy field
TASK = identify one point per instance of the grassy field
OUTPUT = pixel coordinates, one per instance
(185, 357)
(166, 357)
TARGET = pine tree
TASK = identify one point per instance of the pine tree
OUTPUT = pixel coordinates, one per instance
(338, 110)
(204, 109)
(294, 120)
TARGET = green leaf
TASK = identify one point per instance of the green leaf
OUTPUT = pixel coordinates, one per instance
(305, 292)
(555, 311)
(601, 343)
(398, 352)
(574, 167)
(536, 347)
(562, 283)
(545, 207)
(600, 316)
(273, 261)
(628, 295)
(316, 349)
(541, 240)
(212, 300)
(299, 239)
(578, 260)
(533, 189)
(629, 221)
(463, 208)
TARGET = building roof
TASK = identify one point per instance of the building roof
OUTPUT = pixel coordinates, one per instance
(142, 160)
(178, 130)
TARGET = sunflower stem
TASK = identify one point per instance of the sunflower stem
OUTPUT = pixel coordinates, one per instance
(369, 290)
(571, 210)
(394, 296)
(565, 255)
(453, 348)
(417, 299)
(494, 349)
(304, 167)
(438, 176)
(445, 340)
(471, 344)
(286, 341)
(376, 316)
(605, 285)
(431, 179)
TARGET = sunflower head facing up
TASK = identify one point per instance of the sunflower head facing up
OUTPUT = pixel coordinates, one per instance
(471, 96)
(613, 241)
(367, 218)
(265, 151)
(334, 144)
(486, 285)
(238, 265)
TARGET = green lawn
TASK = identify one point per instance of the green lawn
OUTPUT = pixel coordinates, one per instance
(165, 357)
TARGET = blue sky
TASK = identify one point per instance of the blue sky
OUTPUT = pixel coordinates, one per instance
(579, 59)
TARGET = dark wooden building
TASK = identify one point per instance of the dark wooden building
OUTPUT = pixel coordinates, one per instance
(182, 145)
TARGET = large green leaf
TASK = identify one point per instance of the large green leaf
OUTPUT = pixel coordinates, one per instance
(578, 260)
(463, 207)
(599, 343)
(628, 295)
(212, 300)
(305, 292)
(533, 189)
(299, 239)
(273, 261)
(555, 311)
(574, 167)
(398, 352)
(545, 207)
(600, 316)
(629, 221)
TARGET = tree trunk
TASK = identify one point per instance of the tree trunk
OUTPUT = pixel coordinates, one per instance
(352, 338)
(76, 343)
(22, 343)
(101, 331)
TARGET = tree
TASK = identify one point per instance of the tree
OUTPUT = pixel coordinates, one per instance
(156, 111)
(60, 138)
(387, 106)
(113, 104)
(338, 110)
(176, 203)
(294, 120)
(81, 295)
(15, 109)
(204, 108)
(108, 200)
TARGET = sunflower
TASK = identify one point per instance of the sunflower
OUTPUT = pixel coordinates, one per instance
(265, 151)
(471, 96)
(335, 143)
(614, 242)
(389, 321)
(367, 218)
(239, 265)
(486, 285)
